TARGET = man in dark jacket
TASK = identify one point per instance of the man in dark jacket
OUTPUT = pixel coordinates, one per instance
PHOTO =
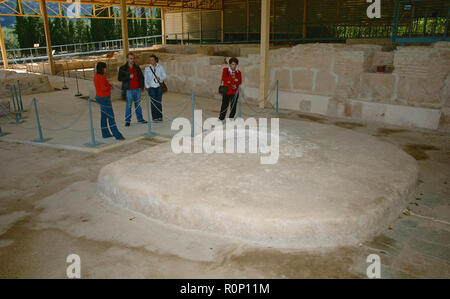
(132, 82)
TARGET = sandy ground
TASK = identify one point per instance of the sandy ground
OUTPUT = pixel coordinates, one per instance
(49, 209)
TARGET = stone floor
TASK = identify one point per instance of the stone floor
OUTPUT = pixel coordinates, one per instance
(49, 209)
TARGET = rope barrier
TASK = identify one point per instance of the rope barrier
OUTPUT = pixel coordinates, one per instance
(57, 112)
(50, 114)
(167, 117)
(62, 126)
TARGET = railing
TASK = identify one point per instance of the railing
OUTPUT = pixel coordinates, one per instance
(418, 25)
(40, 53)
(421, 29)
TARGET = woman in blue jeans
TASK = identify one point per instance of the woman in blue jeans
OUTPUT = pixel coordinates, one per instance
(155, 74)
(103, 97)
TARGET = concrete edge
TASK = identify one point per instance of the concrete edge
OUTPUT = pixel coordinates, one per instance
(74, 148)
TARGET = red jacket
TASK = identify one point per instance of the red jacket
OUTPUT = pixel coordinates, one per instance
(102, 87)
(229, 81)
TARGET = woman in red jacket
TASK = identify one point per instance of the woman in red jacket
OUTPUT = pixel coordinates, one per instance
(231, 78)
(103, 97)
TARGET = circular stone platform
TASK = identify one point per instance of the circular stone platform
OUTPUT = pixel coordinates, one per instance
(331, 187)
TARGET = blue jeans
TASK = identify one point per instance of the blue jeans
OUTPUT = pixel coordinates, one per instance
(107, 116)
(156, 98)
(133, 95)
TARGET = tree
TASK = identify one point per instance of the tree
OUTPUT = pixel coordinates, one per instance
(10, 38)
(29, 30)
(71, 32)
(155, 25)
(102, 29)
(130, 22)
(143, 25)
(66, 38)
(80, 31)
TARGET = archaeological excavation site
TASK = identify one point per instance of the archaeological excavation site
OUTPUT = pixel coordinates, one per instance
(233, 139)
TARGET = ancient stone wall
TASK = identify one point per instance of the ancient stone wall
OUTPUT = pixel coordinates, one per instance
(29, 83)
(337, 80)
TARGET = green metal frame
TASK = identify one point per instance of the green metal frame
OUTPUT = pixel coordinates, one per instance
(416, 39)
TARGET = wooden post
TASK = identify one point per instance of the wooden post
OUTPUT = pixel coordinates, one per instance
(305, 7)
(2, 46)
(182, 26)
(123, 17)
(222, 34)
(163, 26)
(48, 42)
(248, 19)
(200, 22)
(264, 59)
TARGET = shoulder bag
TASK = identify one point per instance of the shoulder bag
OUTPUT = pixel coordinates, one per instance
(161, 84)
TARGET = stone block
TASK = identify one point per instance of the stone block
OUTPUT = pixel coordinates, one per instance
(377, 86)
(305, 106)
(326, 83)
(419, 90)
(251, 77)
(207, 51)
(284, 79)
(374, 112)
(413, 116)
(382, 58)
(4, 107)
(303, 80)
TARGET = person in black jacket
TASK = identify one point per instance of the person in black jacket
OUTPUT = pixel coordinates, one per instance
(132, 83)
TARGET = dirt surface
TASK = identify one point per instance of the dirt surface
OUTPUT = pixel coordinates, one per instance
(49, 209)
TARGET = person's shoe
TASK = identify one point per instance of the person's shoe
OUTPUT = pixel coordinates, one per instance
(143, 121)
(109, 136)
(121, 138)
(127, 124)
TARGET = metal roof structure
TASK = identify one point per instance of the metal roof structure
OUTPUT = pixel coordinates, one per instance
(95, 8)
(258, 20)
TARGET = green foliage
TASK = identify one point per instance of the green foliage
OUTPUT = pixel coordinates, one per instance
(30, 30)
(143, 25)
(102, 29)
(10, 38)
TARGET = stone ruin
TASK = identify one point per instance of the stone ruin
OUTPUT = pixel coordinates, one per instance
(405, 86)
(29, 84)
(408, 86)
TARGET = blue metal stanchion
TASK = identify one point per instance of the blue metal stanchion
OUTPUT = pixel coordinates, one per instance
(193, 116)
(93, 143)
(78, 94)
(13, 99)
(41, 138)
(276, 104)
(20, 96)
(239, 102)
(17, 102)
(149, 124)
(3, 133)
(64, 78)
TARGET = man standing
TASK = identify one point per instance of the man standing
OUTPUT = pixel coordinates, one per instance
(132, 82)
(154, 75)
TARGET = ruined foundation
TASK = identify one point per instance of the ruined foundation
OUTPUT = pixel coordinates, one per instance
(29, 83)
(331, 187)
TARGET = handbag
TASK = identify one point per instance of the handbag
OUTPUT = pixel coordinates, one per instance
(163, 87)
(161, 84)
(223, 90)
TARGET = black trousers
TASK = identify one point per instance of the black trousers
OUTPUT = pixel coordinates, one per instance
(228, 99)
